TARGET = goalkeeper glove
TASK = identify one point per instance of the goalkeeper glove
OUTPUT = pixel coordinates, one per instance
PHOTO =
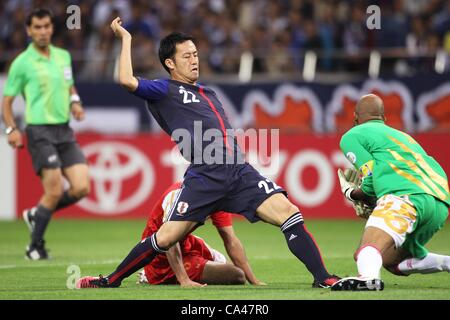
(352, 176)
(349, 181)
(362, 210)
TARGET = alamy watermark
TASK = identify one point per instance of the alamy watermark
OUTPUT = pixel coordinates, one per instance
(259, 147)
(374, 19)
(73, 22)
(74, 273)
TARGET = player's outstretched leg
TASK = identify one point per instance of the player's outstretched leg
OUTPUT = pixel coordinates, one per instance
(431, 263)
(141, 255)
(279, 211)
(302, 244)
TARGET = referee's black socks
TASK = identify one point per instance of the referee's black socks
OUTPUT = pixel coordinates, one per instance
(43, 215)
(41, 219)
(302, 245)
(66, 200)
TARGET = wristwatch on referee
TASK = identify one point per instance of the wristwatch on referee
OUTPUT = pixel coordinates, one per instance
(9, 130)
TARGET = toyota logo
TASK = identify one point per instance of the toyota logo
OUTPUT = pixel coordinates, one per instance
(122, 178)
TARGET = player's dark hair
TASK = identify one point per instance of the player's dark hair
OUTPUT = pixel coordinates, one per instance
(38, 13)
(167, 47)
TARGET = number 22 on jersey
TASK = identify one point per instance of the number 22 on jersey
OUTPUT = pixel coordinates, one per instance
(188, 97)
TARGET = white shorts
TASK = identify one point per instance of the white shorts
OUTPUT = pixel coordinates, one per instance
(394, 215)
(218, 257)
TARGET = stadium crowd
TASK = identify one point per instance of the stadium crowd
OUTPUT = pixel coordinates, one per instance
(276, 32)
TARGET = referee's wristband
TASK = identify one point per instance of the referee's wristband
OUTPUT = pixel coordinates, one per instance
(75, 98)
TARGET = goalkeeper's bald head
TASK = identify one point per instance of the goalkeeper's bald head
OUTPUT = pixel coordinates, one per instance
(369, 107)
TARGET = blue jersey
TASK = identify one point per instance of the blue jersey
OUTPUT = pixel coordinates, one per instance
(194, 117)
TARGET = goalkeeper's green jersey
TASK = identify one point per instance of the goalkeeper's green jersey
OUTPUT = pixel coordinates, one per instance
(392, 162)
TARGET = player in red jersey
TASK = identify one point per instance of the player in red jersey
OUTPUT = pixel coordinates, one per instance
(191, 262)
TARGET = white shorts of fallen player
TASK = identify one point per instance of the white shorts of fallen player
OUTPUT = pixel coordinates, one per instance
(217, 256)
(394, 215)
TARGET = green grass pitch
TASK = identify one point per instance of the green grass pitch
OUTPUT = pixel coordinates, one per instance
(98, 246)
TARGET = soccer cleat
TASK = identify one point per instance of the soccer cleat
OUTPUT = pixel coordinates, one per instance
(37, 251)
(358, 284)
(28, 217)
(93, 282)
(327, 283)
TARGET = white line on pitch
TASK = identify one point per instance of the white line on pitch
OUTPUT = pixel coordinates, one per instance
(60, 264)
(267, 257)
(64, 264)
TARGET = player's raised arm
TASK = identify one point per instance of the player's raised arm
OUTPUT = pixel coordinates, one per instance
(126, 78)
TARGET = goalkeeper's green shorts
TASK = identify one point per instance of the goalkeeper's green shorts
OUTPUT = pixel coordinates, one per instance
(431, 216)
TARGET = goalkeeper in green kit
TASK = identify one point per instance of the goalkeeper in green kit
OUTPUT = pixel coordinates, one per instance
(404, 196)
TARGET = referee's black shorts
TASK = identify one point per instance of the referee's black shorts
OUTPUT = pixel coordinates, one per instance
(53, 146)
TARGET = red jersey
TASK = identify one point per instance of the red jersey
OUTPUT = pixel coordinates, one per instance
(194, 250)
(219, 219)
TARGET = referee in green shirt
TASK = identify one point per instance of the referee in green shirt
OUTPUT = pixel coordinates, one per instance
(43, 75)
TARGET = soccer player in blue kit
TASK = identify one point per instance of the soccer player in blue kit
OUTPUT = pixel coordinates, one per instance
(180, 103)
